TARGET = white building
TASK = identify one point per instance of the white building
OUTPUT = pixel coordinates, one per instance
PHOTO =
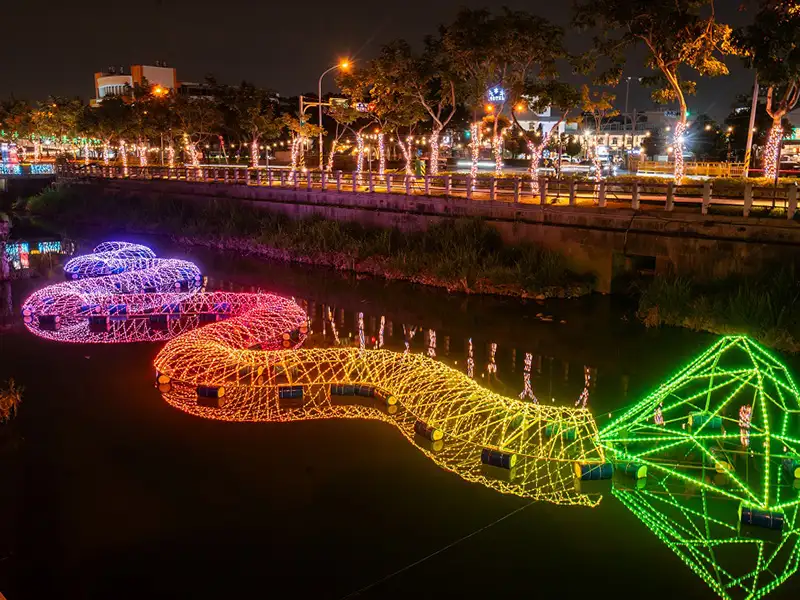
(117, 83)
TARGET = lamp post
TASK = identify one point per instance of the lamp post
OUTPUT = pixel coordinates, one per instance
(344, 65)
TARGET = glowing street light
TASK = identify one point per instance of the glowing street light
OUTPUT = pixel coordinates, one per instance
(344, 65)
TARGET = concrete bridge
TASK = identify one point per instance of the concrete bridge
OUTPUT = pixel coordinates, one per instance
(606, 229)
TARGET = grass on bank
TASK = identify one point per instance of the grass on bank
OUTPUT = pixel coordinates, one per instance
(765, 306)
(461, 252)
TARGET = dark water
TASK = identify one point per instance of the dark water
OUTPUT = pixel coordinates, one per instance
(108, 492)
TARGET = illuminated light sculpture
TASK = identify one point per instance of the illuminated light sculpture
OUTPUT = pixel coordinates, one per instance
(401, 389)
(109, 258)
(703, 529)
(122, 294)
(698, 417)
(254, 154)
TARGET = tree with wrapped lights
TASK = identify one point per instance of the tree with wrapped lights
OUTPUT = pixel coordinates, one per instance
(197, 119)
(772, 47)
(599, 106)
(675, 33)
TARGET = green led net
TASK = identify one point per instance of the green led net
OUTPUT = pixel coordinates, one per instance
(703, 529)
(724, 423)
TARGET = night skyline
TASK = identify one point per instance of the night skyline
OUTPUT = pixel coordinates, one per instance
(268, 45)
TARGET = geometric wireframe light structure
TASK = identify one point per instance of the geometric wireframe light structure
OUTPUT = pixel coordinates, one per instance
(734, 410)
(108, 258)
(402, 389)
(702, 528)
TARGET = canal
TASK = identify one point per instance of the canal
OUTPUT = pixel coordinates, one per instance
(109, 492)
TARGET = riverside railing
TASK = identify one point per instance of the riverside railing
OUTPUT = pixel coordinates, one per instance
(543, 191)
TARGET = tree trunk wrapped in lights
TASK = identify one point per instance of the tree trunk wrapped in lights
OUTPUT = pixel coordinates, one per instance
(254, 154)
(406, 148)
(297, 141)
(191, 152)
(123, 152)
(106, 152)
(332, 153)
(171, 156)
(772, 150)
(678, 145)
(37, 150)
(497, 149)
(475, 134)
(434, 170)
(141, 152)
(360, 157)
(536, 156)
(381, 154)
(85, 153)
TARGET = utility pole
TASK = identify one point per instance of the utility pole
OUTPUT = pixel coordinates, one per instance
(749, 148)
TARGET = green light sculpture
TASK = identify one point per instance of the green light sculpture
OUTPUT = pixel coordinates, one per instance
(724, 423)
(703, 529)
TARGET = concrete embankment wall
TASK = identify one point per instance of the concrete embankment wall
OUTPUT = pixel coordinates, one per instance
(605, 242)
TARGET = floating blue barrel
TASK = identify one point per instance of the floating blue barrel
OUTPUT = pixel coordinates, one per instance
(496, 458)
(159, 322)
(88, 309)
(342, 389)
(49, 322)
(290, 392)
(429, 433)
(172, 308)
(633, 469)
(118, 311)
(149, 289)
(367, 391)
(98, 323)
(792, 467)
(210, 391)
(211, 396)
(554, 429)
(708, 420)
(761, 518)
(593, 472)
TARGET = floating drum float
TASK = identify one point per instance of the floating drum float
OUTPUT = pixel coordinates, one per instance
(635, 470)
(792, 467)
(593, 472)
(50, 322)
(173, 308)
(290, 395)
(556, 429)
(159, 322)
(761, 518)
(211, 396)
(118, 311)
(88, 309)
(98, 324)
(342, 389)
(429, 433)
(366, 391)
(708, 420)
(385, 397)
(497, 458)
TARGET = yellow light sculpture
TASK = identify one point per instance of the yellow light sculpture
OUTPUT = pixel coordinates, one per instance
(402, 389)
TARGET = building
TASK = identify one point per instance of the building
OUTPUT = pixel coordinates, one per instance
(115, 82)
(544, 121)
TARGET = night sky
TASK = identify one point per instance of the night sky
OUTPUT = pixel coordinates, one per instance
(54, 47)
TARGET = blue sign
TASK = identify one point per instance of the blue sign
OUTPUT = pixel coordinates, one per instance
(497, 94)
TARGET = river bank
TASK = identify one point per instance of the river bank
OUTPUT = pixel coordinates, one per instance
(465, 255)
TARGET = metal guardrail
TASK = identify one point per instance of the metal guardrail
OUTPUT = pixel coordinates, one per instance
(543, 191)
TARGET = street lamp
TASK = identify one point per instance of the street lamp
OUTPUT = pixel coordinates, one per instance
(344, 66)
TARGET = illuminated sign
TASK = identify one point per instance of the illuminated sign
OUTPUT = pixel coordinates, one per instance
(496, 94)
